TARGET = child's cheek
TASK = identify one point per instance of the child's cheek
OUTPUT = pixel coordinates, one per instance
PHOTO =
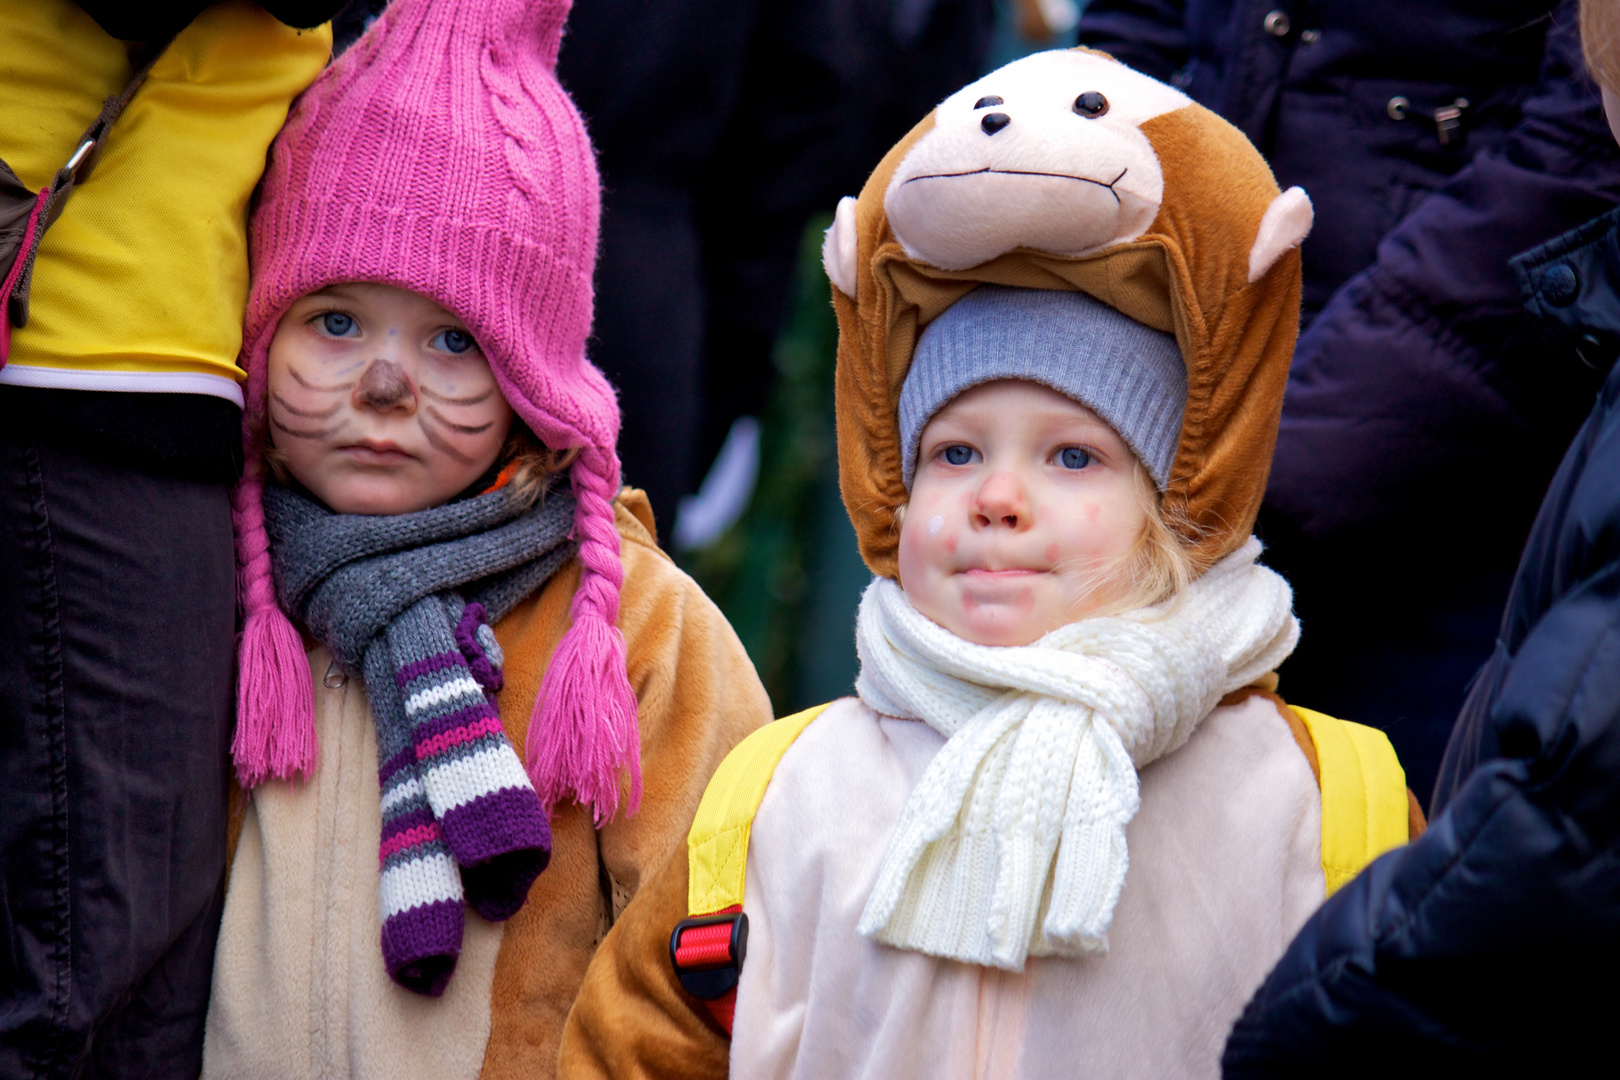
(912, 546)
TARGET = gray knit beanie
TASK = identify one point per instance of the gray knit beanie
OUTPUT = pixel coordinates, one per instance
(1129, 374)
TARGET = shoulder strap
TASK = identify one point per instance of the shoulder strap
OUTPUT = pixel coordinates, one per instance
(1364, 799)
(708, 947)
(717, 846)
(17, 252)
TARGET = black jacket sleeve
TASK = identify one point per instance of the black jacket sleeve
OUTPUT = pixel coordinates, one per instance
(1476, 946)
(1149, 35)
(1422, 367)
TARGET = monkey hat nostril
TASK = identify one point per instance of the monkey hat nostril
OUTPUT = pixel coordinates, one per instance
(994, 122)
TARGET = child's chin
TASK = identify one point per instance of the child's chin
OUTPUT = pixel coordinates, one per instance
(374, 498)
(987, 625)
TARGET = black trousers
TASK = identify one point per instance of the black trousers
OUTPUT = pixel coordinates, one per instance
(117, 627)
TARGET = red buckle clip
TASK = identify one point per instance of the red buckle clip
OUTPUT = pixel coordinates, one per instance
(708, 952)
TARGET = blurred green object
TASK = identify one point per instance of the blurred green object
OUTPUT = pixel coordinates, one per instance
(787, 574)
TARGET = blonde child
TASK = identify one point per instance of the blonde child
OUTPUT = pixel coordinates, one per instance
(1065, 826)
(434, 548)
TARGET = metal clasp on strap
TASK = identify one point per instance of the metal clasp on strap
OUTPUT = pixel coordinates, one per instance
(708, 952)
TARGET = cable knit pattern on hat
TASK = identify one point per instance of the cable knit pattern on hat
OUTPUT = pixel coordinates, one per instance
(1013, 842)
(440, 155)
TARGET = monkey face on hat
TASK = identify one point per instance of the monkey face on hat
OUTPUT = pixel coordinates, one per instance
(1067, 170)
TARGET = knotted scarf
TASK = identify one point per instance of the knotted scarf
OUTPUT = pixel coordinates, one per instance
(408, 600)
(1012, 843)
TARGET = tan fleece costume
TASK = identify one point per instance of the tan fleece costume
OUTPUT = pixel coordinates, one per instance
(299, 984)
(1158, 207)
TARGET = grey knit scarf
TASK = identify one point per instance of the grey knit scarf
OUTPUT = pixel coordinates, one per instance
(409, 600)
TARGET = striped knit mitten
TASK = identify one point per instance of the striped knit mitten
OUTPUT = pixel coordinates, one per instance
(448, 669)
(420, 894)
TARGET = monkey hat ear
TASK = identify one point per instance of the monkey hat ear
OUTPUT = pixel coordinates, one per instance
(1067, 170)
(440, 155)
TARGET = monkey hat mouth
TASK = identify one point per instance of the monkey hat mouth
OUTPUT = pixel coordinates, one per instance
(439, 154)
(1015, 160)
(1067, 170)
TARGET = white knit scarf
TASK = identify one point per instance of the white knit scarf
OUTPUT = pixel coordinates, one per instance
(1013, 842)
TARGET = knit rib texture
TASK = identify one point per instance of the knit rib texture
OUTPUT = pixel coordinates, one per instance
(1129, 374)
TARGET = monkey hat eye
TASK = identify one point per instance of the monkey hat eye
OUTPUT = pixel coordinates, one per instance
(986, 102)
(1091, 104)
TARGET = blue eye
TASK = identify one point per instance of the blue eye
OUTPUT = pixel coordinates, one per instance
(957, 455)
(337, 323)
(454, 341)
(1074, 458)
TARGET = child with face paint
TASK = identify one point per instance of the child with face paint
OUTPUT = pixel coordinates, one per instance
(1065, 825)
(477, 705)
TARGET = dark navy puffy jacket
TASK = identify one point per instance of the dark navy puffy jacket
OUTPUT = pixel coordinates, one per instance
(1423, 417)
(1489, 944)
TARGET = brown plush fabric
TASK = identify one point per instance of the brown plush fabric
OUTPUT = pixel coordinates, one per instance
(698, 696)
(1416, 823)
(639, 1021)
(631, 1019)
(1188, 274)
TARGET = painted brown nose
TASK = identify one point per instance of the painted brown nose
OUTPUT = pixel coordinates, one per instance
(384, 385)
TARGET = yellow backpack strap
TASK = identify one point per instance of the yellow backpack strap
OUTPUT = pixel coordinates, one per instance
(717, 846)
(708, 948)
(1364, 799)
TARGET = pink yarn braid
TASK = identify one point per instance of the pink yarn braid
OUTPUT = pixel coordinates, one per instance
(275, 705)
(584, 728)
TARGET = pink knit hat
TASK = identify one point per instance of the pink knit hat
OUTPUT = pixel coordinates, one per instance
(440, 154)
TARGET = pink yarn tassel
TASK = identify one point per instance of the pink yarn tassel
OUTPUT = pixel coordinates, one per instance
(584, 728)
(275, 708)
(275, 704)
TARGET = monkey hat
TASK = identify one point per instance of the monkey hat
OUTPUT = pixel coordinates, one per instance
(1067, 170)
(440, 155)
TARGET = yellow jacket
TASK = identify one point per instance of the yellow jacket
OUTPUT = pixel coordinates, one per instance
(140, 284)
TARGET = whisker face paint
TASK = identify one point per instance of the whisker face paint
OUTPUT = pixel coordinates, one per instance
(307, 385)
(440, 444)
(465, 429)
(305, 413)
(319, 433)
(434, 395)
